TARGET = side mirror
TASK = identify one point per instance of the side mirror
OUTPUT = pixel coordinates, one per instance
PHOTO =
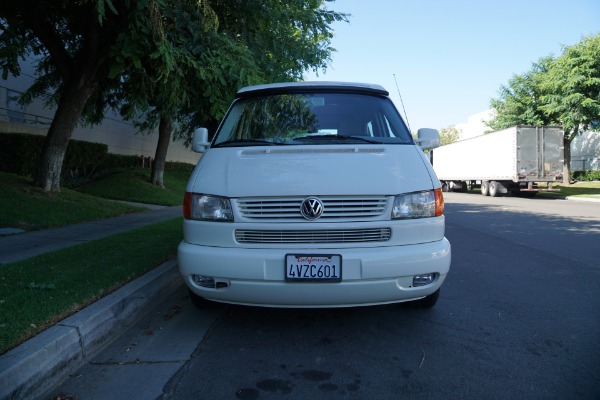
(200, 141)
(428, 138)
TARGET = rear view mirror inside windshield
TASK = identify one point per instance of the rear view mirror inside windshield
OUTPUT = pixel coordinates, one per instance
(316, 101)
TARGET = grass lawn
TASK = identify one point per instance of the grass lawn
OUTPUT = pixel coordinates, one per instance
(134, 185)
(40, 291)
(26, 207)
(589, 189)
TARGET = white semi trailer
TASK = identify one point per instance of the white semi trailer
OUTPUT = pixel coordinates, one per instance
(511, 160)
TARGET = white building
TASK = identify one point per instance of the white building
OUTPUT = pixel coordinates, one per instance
(585, 152)
(475, 124)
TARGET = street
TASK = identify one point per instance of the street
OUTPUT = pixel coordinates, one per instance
(518, 318)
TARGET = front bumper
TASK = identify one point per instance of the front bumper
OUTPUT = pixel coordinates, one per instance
(370, 276)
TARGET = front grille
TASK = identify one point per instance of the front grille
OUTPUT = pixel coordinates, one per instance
(313, 236)
(335, 207)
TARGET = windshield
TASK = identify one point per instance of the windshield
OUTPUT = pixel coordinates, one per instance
(312, 118)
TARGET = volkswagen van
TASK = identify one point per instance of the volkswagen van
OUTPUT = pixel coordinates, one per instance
(314, 194)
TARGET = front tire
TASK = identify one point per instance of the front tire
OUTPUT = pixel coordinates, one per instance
(427, 301)
(200, 302)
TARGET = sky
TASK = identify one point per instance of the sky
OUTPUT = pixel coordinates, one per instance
(450, 57)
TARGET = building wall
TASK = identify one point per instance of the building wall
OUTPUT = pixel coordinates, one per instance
(475, 125)
(585, 152)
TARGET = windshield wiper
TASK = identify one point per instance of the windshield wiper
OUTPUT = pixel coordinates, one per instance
(361, 138)
(334, 138)
(247, 142)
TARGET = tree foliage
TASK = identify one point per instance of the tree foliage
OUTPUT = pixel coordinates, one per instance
(449, 134)
(253, 43)
(267, 41)
(562, 91)
(571, 87)
(520, 100)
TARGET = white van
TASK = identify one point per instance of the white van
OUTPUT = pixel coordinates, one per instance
(314, 194)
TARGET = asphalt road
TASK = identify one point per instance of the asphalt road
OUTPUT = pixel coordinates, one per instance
(518, 318)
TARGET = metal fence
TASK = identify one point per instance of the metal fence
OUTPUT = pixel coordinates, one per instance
(585, 163)
(21, 117)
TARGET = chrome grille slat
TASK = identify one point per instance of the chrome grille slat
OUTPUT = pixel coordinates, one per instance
(334, 207)
(312, 236)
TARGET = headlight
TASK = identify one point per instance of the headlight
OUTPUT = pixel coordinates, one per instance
(424, 204)
(207, 208)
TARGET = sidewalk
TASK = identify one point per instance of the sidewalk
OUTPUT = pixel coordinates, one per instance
(36, 366)
(29, 244)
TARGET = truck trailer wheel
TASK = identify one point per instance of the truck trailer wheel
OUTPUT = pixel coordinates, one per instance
(493, 189)
(485, 188)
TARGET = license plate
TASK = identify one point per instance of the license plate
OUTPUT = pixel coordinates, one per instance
(313, 268)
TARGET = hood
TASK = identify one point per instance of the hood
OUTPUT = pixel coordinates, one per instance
(311, 170)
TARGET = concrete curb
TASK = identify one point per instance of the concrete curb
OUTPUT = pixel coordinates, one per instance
(40, 364)
(587, 199)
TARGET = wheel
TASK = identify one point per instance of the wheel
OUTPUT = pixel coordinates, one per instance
(427, 301)
(200, 302)
(485, 188)
(445, 186)
(493, 189)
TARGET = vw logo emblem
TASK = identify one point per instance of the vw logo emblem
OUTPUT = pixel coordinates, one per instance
(311, 208)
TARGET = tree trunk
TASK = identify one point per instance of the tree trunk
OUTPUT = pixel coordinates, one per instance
(567, 162)
(69, 110)
(164, 137)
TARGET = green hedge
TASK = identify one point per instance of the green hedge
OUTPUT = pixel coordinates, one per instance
(587, 175)
(119, 161)
(20, 154)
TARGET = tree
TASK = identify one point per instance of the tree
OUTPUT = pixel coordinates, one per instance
(520, 100)
(153, 94)
(283, 39)
(286, 38)
(449, 134)
(80, 46)
(563, 91)
(572, 92)
(232, 44)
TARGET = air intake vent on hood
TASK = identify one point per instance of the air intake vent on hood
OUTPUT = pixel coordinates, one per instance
(312, 150)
